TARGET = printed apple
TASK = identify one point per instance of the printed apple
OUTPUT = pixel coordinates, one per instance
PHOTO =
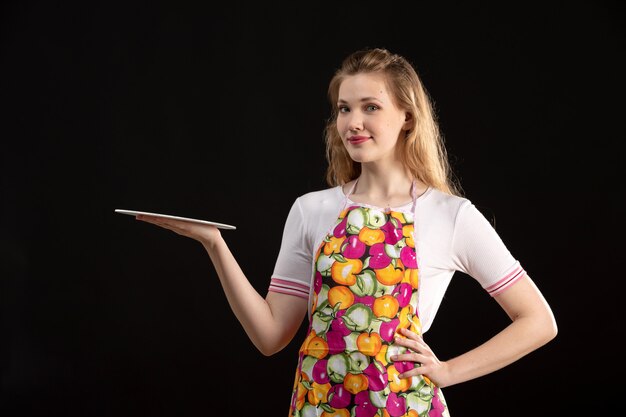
(382, 289)
(390, 275)
(378, 258)
(396, 405)
(323, 264)
(404, 366)
(403, 294)
(393, 350)
(322, 296)
(437, 405)
(339, 396)
(414, 298)
(308, 410)
(377, 375)
(337, 367)
(375, 219)
(393, 251)
(307, 366)
(393, 234)
(320, 373)
(320, 322)
(366, 300)
(336, 343)
(371, 236)
(369, 343)
(350, 340)
(338, 324)
(378, 398)
(317, 283)
(344, 271)
(356, 220)
(397, 384)
(366, 283)
(332, 245)
(407, 256)
(358, 317)
(423, 388)
(340, 229)
(418, 401)
(388, 329)
(364, 406)
(358, 362)
(375, 324)
(352, 247)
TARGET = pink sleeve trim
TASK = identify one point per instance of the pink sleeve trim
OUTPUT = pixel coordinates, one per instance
(504, 283)
(289, 287)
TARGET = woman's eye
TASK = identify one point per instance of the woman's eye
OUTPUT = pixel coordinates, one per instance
(343, 109)
(372, 107)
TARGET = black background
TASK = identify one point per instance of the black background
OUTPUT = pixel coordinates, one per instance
(217, 112)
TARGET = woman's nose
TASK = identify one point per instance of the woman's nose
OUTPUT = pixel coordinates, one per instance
(356, 122)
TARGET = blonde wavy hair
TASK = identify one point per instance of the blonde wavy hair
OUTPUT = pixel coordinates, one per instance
(424, 153)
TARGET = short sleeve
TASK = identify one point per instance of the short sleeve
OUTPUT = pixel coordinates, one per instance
(293, 268)
(480, 252)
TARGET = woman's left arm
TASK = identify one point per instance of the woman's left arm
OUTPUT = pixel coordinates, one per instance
(533, 325)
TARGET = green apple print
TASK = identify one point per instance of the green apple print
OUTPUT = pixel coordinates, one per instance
(358, 317)
(308, 411)
(394, 350)
(322, 296)
(375, 219)
(351, 342)
(379, 398)
(420, 398)
(358, 362)
(338, 366)
(382, 289)
(356, 221)
(308, 362)
(393, 251)
(366, 283)
(321, 322)
(375, 325)
(323, 264)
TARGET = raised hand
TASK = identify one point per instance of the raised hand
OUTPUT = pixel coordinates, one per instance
(205, 234)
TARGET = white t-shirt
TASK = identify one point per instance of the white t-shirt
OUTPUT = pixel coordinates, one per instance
(450, 235)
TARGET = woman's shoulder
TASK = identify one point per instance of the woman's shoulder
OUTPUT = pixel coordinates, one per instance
(320, 198)
(441, 200)
(319, 205)
(447, 208)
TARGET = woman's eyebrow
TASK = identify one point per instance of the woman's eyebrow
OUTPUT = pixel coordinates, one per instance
(363, 99)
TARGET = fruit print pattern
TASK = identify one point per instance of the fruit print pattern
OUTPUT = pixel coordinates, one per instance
(365, 288)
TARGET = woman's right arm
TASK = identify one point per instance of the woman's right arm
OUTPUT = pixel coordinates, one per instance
(270, 322)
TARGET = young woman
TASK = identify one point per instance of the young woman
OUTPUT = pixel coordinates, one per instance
(369, 259)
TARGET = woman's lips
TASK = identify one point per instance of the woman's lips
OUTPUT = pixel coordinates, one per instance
(355, 140)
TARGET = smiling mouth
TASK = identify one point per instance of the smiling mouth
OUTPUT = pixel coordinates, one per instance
(355, 140)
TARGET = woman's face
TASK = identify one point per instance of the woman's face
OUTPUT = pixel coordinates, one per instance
(369, 122)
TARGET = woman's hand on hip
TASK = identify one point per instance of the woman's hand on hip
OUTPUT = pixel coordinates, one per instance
(421, 355)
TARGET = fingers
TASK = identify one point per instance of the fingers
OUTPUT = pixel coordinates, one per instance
(154, 220)
(418, 353)
(201, 233)
(412, 341)
(175, 226)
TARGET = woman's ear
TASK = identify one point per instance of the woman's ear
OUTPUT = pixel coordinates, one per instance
(408, 121)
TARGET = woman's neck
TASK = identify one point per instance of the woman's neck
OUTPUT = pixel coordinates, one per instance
(388, 188)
